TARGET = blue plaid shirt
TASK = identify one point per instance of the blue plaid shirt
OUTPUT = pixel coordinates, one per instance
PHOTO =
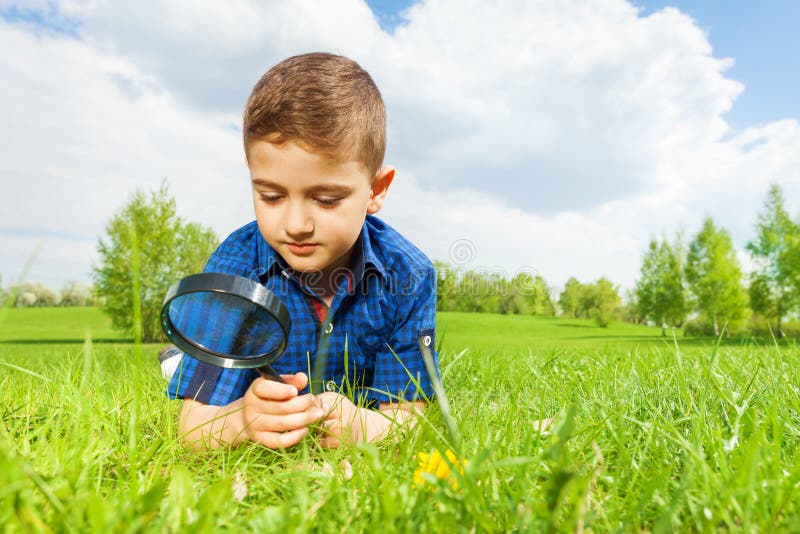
(376, 320)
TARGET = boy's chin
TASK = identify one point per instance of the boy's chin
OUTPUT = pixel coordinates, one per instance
(304, 265)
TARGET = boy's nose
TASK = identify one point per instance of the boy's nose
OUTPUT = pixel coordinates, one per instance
(299, 223)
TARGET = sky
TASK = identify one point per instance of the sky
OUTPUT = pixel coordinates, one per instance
(548, 137)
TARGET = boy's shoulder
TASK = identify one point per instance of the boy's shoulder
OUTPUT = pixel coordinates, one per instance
(393, 250)
(239, 252)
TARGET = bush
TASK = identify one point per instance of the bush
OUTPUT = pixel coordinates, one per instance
(31, 295)
(758, 325)
(702, 326)
(76, 294)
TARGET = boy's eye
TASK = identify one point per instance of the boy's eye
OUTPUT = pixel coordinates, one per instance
(270, 198)
(327, 201)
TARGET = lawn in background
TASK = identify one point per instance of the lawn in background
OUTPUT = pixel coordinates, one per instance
(46, 325)
(650, 434)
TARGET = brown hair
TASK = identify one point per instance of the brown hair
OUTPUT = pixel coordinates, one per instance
(326, 102)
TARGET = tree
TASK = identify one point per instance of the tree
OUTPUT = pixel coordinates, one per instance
(526, 294)
(517, 294)
(774, 288)
(32, 295)
(601, 301)
(446, 286)
(76, 294)
(714, 276)
(659, 290)
(630, 312)
(148, 248)
(570, 299)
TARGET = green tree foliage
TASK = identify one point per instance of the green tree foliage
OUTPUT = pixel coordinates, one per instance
(601, 301)
(516, 294)
(715, 278)
(570, 299)
(526, 294)
(446, 286)
(660, 291)
(490, 292)
(775, 284)
(541, 300)
(166, 249)
(629, 312)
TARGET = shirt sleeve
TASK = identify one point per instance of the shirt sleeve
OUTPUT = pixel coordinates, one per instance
(400, 373)
(203, 382)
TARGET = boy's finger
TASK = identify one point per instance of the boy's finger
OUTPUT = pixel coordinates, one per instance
(330, 402)
(271, 390)
(279, 440)
(301, 403)
(298, 380)
(331, 434)
(330, 442)
(285, 423)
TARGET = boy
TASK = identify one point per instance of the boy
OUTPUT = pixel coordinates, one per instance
(314, 138)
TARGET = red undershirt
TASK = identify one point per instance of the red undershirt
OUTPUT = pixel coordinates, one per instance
(319, 305)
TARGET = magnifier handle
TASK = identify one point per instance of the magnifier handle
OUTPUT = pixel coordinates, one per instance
(268, 373)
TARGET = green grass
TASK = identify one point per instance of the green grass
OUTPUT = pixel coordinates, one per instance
(523, 332)
(649, 435)
(46, 325)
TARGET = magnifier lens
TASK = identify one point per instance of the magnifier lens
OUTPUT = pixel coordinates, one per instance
(225, 324)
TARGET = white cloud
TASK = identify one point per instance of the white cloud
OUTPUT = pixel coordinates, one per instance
(558, 137)
(84, 129)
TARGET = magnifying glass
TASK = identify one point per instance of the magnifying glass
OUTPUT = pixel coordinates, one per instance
(227, 320)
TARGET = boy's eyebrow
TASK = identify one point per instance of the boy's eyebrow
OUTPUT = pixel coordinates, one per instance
(266, 183)
(318, 188)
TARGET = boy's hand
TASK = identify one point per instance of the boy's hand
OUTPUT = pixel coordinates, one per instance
(274, 415)
(342, 420)
(347, 423)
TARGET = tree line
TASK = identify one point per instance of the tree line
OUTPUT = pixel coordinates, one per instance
(702, 288)
(481, 291)
(38, 295)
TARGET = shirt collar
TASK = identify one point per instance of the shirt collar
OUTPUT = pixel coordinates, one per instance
(367, 257)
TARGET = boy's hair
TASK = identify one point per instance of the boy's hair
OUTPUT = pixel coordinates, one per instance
(323, 101)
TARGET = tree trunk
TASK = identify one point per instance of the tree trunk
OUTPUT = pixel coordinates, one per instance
(780, 313)
(716, 325)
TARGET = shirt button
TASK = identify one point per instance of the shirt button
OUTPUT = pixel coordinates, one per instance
(330, 385)
(329, 328)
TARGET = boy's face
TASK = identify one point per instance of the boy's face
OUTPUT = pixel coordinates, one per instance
(309, 207)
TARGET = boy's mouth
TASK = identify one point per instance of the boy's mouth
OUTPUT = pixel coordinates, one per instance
(301, 249)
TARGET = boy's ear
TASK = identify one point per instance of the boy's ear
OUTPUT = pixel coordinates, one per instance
(379, 189)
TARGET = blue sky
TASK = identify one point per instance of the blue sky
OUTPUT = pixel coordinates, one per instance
(553, 137)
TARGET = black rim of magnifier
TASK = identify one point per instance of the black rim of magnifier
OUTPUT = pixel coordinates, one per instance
(228, 284)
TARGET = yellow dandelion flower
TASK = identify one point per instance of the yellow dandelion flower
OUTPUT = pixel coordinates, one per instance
(436, 465)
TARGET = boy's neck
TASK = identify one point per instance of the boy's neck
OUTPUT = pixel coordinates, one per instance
(327, 284)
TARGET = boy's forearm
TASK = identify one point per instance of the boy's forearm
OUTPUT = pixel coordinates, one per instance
(204, 426)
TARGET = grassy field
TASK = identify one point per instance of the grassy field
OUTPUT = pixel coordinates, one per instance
(649, 434)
